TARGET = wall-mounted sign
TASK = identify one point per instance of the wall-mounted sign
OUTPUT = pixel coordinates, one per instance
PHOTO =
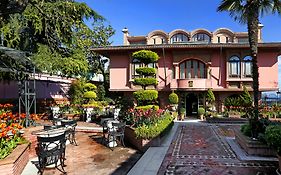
(190, 83)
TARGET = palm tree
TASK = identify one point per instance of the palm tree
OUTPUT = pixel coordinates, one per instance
(248, 12)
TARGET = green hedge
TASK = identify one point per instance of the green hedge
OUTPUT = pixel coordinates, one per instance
(146, 71)
(146, 56)
(145, 81)
(173, 98)
(146, 95)
(154, 130)
(147, 107)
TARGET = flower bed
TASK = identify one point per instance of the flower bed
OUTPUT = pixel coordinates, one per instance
(147, 127)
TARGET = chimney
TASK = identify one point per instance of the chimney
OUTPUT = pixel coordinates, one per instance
(125, 35)
(260, 26)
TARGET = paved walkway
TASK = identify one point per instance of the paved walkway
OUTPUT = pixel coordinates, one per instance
(201, 148)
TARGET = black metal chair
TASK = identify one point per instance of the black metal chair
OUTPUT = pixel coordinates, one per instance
(116, 133)
(70, 126)
(51, 150)
(104, 128)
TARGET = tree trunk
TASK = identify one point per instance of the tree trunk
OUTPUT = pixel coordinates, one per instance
(252, 22)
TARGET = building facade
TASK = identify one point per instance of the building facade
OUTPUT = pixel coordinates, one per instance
(192, 62)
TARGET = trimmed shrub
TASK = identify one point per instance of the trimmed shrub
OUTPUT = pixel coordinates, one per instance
(201, 111)
(145, 81)
(146, 56)
(173, 98)
(146, 95)
(90, 95)
(146, 71)
(273, 137)
(89, 87)
(182, 111)
(147, 107)
(155, 129)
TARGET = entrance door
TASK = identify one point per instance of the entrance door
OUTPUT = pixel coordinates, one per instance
(191, 104)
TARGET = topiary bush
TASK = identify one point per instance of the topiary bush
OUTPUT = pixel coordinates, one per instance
(146, 71)
(145, 56)
(201, 111)
(173, 98)
(90, 95)
(146, 95)
(147, 107)
(145, 81)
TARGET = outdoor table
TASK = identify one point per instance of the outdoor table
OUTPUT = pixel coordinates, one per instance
(111, 140)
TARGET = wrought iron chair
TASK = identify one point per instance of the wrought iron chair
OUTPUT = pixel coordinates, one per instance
(104, 128)
(51, 150)
(70, 126)
(116, 133)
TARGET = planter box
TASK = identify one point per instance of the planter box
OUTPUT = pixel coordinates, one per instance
(140, 144)
(225, 120)
(253, 147)
(14, 163)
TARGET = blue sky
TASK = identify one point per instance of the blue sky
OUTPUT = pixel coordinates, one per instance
(144, 16)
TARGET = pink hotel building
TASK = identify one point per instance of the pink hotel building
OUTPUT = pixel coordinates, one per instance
(192, 62)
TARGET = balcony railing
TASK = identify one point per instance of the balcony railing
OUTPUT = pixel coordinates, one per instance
(191, 84)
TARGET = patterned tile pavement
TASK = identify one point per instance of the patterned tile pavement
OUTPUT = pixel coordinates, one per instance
(201, 148)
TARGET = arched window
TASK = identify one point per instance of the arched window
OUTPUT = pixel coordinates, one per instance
(234, 66)
(192, 69)
(201, 37)
(247, 66)
(135, 64)
(178, 38)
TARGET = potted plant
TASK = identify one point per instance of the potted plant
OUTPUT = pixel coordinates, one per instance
(273, 139)
(173, 100)
(201, 112)
(182, 113)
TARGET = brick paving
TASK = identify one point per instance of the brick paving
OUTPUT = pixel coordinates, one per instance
(201, 148)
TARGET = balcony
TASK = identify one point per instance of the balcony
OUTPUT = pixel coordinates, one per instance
(190, 84)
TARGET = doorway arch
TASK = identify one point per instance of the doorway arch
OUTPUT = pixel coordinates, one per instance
(191, 104)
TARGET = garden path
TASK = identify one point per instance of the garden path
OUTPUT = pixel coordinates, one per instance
(201, 148)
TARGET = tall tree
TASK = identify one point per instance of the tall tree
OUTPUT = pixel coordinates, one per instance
(248, 12)
(56, 33)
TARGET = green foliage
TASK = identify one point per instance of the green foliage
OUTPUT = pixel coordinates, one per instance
(76, 91)
(146, 71)
(146, 95)
(182, 110)
(232, 101)
(210, 97)
(201, 111)
(155, 129)
(173, 98)
(246, 99)
(89, 87)
(90, 95)
(246, 130)
(145, 81)
(273, 137)
(8, 145)
(56, 34)
(145, 56)
(101, 94)
(147, 107)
